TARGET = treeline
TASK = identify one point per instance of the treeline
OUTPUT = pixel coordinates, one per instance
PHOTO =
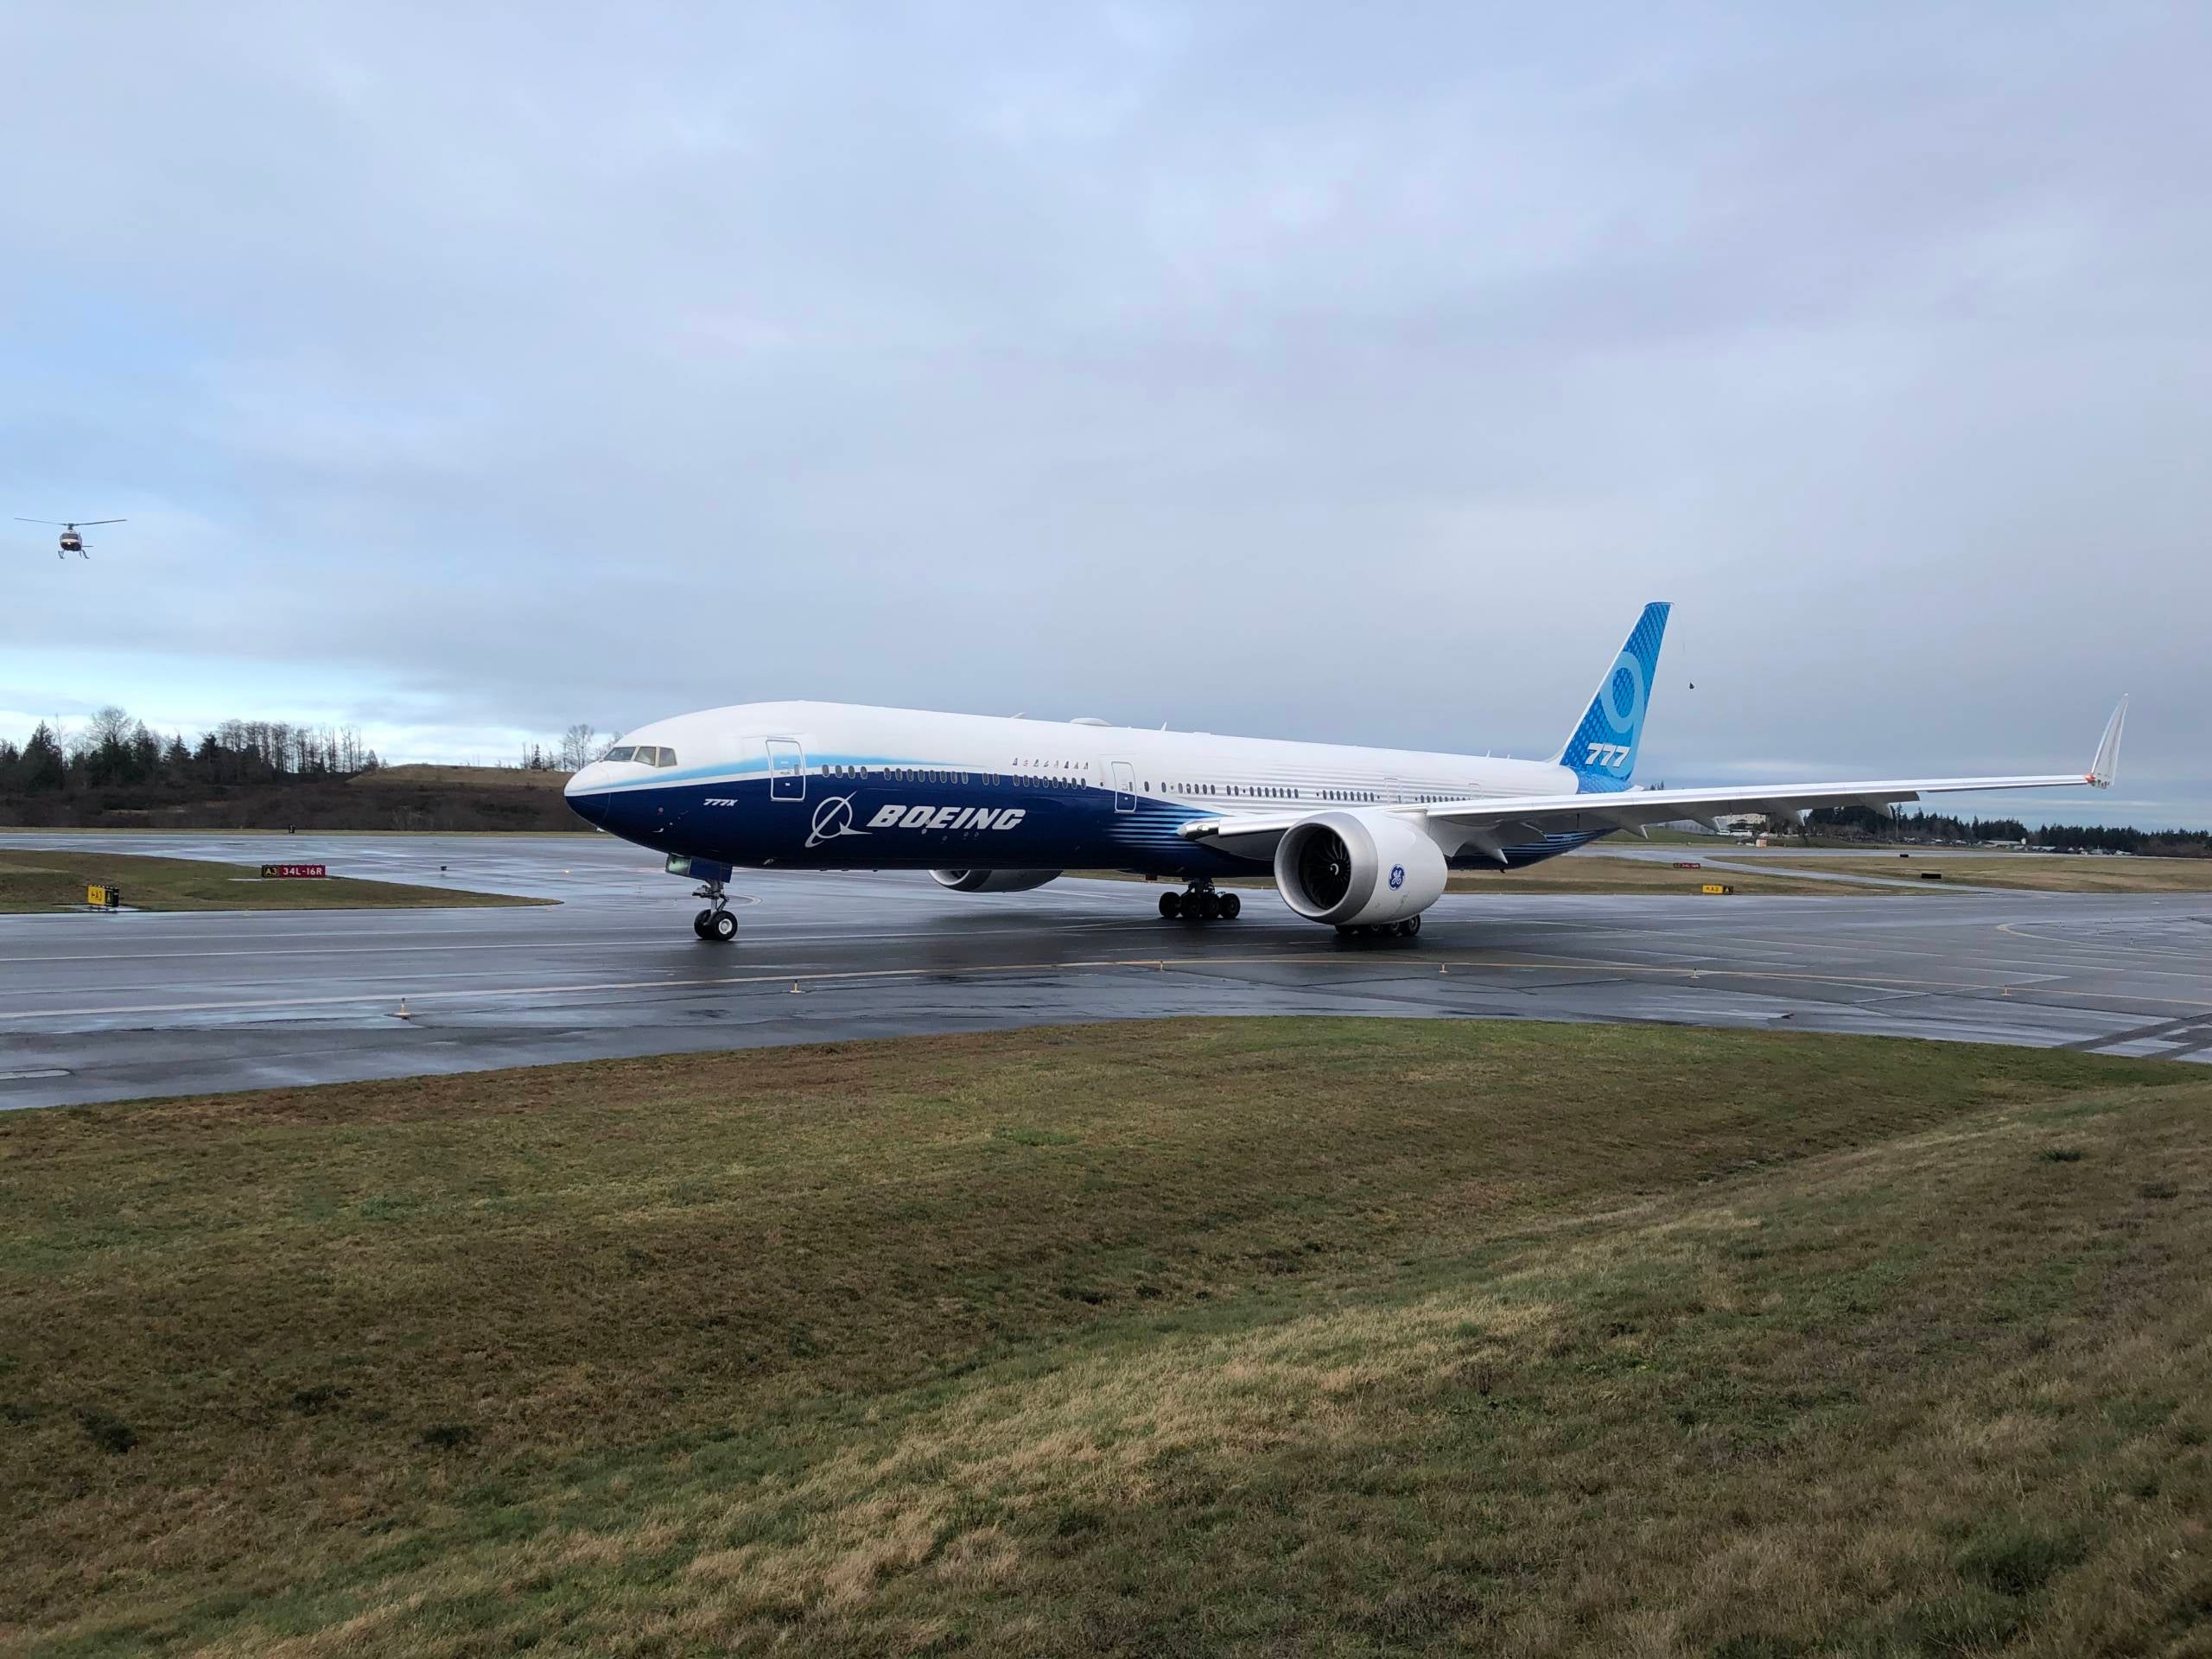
(2107, 838)
(114, 750)
(579, 747)
(1873, 824)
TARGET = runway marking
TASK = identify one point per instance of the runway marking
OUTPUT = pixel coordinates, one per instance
(2127, 953)
(654, 942)
(2180, 1033)
(787, 975)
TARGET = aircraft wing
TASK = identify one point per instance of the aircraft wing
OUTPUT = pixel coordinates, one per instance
(1490, 825)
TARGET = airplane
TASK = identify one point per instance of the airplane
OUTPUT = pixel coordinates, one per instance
(1362, 840)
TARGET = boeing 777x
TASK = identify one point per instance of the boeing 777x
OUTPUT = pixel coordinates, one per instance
(1357, 839)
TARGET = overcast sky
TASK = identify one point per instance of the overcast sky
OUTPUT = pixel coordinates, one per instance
(1332, 371)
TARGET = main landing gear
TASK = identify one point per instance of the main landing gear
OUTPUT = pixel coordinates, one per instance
(1410, 928)
(717, 923)
(1201, 904)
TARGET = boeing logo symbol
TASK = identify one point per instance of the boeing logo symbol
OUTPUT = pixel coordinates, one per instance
(833, 819)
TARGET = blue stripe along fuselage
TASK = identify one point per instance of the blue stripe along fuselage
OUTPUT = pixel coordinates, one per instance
(981, 822)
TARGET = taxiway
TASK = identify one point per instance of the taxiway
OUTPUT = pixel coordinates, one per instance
(111, 1006)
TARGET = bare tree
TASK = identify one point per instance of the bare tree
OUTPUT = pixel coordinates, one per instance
(576, 751)
(110, 729)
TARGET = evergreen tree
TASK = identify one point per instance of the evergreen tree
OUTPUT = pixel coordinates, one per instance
(42, 767)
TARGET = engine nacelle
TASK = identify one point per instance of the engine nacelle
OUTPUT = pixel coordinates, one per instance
(993, 880)
(1355, 869)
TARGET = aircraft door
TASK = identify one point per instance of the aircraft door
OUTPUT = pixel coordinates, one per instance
(787, 770)
(1125, 786)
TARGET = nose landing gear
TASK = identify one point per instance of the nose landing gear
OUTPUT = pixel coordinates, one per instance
(717, 923)
(1200, 904)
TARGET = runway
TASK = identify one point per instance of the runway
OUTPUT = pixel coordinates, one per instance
(113, 1007)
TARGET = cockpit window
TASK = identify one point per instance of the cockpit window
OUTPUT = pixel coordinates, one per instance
(664, 757)
(624, 752)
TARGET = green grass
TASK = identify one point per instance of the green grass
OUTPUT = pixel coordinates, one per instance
(1297, 1336)
(41, 880)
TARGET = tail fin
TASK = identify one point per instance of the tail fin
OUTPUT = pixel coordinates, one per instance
(1602, 751)
(2105, 766)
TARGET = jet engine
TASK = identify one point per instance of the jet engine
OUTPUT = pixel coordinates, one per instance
(1359, 869)
(993, 880)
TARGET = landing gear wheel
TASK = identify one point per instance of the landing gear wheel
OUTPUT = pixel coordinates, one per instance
(1409, 928)
(1171, 905)
(1209, 906)
(1232, 906)
(702, 922)
(722, 929)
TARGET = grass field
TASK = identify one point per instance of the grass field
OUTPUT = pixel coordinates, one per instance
(1577, 873)
(1595, 872)
(2033, 872)
(1291, 1336)
(478, 777)
(45, 881)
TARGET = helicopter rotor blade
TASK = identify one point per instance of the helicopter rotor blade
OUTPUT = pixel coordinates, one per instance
(56, 522)
(84, 523)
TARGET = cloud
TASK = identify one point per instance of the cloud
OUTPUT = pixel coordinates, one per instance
(1280, 369)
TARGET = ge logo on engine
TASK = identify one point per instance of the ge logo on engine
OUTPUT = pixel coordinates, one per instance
(1397, 875)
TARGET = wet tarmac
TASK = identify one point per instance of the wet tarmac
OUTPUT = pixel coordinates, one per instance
(113, 1007)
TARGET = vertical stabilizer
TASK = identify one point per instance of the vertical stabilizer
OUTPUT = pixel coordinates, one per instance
(1602, 751)
(2105, 766)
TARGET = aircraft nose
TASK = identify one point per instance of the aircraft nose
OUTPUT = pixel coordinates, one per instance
(580, 792)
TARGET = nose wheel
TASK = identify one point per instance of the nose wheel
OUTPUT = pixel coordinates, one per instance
(717, 923)
(1200, 904)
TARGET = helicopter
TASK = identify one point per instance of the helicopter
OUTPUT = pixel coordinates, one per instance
(71, 541)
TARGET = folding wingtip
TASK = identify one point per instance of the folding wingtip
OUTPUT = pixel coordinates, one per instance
(2105, 766)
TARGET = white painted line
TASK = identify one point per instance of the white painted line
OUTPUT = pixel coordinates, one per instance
(784, 975)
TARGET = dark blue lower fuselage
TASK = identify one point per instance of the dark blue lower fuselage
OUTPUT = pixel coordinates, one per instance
(962, 821)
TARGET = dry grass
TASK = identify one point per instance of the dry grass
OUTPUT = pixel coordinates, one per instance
(1597, 871)
(40, 880)
(1782, 871)
(1590, 872)
(2034, 872)
(481, 776)
(1305, 1337)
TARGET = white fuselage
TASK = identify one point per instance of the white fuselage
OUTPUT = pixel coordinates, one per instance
(726, 784)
